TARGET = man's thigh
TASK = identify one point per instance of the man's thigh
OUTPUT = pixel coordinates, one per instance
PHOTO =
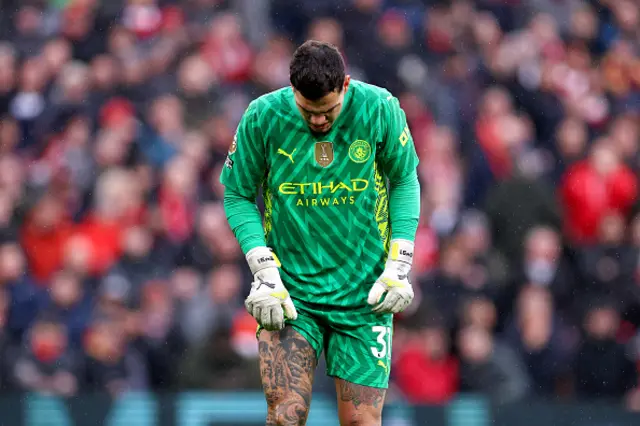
(358, 348)
(358, 353)
(287, 364)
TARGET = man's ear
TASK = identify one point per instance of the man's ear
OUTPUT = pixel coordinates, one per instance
(347, 81)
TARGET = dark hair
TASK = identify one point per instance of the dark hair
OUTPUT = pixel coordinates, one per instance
(316, 69)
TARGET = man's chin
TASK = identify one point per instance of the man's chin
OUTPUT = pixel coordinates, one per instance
(320, 129)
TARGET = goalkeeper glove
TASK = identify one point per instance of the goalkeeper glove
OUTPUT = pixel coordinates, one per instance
(394, 280)
(268, 302)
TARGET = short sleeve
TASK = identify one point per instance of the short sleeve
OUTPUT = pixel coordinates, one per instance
(396, 153)
(245, 166)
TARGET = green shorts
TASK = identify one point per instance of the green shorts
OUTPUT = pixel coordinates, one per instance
(356, 342)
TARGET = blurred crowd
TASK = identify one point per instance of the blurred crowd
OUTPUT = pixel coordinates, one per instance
(118, 270)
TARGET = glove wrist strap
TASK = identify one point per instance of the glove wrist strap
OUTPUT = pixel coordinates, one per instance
(261, 258)
(400, 254)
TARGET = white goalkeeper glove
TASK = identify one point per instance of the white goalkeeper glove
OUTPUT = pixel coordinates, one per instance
(268, 302)
(394, 280)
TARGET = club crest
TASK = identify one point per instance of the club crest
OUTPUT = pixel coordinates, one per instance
(360, 151)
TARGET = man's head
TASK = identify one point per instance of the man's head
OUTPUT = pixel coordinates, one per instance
(317, 75)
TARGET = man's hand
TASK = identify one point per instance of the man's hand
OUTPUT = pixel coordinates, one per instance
(269, 302)
(394, 280)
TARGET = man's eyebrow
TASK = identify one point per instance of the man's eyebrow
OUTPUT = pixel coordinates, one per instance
(318, 112)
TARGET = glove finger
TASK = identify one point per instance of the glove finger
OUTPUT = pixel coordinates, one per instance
(387, 303)
(375, 293)
(277, 318)
(400, 305)
(265, 318)
(250, 303)
(289, 309)
(257, 313)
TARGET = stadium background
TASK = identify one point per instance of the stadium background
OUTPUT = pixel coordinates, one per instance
(118, 272)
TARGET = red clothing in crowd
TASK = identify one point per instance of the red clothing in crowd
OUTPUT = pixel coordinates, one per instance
(105, 238)
(424, 380)
(495, 148)
(588, 196)
(177, 212)
(44, 248)
(229, 59)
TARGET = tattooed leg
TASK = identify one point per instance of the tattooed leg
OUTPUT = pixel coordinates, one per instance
(359, 405)
(287, 362)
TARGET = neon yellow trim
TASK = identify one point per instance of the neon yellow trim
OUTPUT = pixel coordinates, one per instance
(280, 294)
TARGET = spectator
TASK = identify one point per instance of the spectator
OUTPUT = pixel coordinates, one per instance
(570, 144)
(427, 354)
(594, 377)
(176, 200)
(136, 266)
(441, 173)
(196, 87)
(215, 365)
(71, 303)
(545, 265)
(45, 363)
(608, 267)
(445, 287)
(24, 294)
(516, 205)
(479, 312)
(490, 271)
(117, 203)
(593, 188)
(160, 142)
(159, 339)
(539, 337)
(490, 367)
(111, 366)
(29, 102)
(213, 306)
(212, 243)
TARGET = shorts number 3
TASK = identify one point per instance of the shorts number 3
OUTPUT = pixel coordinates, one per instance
(383, 340)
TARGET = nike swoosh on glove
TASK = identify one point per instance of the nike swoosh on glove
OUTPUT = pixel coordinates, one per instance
(394, 280)
(268, 302)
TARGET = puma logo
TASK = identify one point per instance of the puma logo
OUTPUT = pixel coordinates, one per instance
(268, 284)
(384, 366)
(289, 156)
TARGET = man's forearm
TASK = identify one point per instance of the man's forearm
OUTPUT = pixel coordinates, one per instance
(404, 207)
(244, 220)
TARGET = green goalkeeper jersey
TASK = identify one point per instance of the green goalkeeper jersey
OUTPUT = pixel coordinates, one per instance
(326, 195)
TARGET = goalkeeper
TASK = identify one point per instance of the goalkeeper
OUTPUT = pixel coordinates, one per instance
(337, 166)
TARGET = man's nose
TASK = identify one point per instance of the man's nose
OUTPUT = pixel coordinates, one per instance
(318, 120)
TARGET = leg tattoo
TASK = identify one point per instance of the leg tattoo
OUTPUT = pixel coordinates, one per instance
(359, 405)
(287, 362)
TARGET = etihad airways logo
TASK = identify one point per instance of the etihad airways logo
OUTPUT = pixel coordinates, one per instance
(321, 188)
(324, 194)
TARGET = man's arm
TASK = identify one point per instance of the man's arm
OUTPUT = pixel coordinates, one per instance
(244, 170)
(399, 161)
(242, 175)
(404, 207)
(244, 219)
